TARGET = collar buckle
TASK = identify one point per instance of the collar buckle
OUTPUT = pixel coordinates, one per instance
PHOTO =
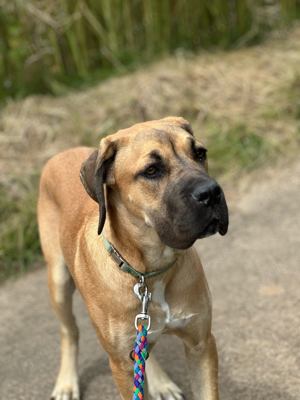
(117, 257)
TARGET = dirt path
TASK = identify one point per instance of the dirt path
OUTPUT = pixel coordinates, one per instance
(254, 277)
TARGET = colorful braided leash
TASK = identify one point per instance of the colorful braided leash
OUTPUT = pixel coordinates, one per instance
(140, 351)
(140, 355)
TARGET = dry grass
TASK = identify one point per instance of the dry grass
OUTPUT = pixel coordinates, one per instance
(244, 105)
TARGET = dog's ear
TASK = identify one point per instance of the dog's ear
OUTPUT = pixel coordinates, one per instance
(96, 171)
(87, 174)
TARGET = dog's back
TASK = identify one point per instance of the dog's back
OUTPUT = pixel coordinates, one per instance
(62, 194)
(60, 182)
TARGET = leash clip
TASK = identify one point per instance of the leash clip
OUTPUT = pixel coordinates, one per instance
(144, 298)
(142, 285)
(143, 316)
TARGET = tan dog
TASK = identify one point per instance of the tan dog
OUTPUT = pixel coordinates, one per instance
(151, 185)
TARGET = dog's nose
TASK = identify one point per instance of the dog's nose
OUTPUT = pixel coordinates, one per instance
(207, 192)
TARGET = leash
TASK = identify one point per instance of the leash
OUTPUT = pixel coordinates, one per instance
(140, 356)
(140, 352)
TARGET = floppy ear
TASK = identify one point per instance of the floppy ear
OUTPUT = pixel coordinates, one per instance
(94, 173)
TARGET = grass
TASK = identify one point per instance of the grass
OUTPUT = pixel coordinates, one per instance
(240, 148)
(62, 43)
(243, 105)
(19, 239)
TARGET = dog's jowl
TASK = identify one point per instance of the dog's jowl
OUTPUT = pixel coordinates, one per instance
(147, 190)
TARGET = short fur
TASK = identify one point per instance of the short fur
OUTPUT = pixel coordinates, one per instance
(150, 222)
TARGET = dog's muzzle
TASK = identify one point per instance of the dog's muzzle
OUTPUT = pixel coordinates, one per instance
(208, 194)
(195, 208)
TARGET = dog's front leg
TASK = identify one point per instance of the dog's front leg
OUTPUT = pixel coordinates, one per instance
(122, 371)
(202, 361)
(160, 384)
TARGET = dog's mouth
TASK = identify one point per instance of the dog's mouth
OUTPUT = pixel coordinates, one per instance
(186, 241)
(223, 228)
(214, 226)
(210, 229)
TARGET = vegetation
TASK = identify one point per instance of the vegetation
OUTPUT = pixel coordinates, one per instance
(19, 239)
(243, 104)
(48, 46)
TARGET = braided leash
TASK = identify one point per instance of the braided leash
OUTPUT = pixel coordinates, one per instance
(140, 350)
(140, 355)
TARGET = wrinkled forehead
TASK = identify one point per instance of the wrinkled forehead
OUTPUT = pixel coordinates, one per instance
(167, 141)
(142, 145)
(148, 139)
(153, 135)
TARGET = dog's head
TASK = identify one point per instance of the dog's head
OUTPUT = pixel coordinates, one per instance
(160, 172)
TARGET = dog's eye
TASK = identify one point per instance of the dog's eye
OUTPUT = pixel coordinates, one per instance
(151, 170)
(200, 153)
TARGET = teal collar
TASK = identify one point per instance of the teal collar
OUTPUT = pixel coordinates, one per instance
(128, 268)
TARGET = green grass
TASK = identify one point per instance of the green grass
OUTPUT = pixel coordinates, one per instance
(46, 47)
(240, 148)
(19, 239)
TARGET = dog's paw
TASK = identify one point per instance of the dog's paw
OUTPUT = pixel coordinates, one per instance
(66, 388)
(166, 391)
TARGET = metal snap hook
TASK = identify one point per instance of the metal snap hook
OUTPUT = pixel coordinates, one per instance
(143, 316)
(137, 288)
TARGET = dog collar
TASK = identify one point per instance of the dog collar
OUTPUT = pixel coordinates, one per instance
(124, 266)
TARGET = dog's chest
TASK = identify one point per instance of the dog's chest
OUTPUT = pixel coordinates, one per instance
(167, 318)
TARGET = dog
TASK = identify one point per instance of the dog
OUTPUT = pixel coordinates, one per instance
(148, 189)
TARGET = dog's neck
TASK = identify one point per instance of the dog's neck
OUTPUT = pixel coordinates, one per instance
(138, 244)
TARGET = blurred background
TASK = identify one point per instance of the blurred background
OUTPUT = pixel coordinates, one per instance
(72, 72)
